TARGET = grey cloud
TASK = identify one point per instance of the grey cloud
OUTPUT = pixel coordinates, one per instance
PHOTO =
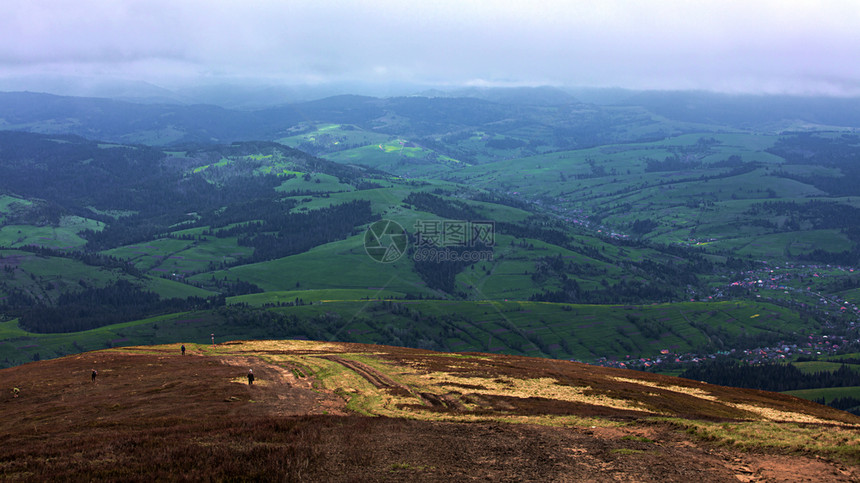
(670, 43)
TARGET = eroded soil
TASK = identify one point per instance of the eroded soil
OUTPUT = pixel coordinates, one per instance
(155, 414)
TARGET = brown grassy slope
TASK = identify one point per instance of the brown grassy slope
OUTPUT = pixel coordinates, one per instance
(153, 413)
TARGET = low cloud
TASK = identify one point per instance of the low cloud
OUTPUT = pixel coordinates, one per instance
(725, 45)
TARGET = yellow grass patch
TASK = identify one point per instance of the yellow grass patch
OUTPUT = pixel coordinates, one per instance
(777, 415)
(544, 387)
(690, 391)
(770, 414)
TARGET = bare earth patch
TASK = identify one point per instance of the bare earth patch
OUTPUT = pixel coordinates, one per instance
(346, 412)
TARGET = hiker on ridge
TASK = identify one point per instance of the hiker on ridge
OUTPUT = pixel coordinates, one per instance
(95, 373)
(250, 377)
(183, 349)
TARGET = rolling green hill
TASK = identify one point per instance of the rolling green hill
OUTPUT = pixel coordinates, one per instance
(564, 331)
(617, 233)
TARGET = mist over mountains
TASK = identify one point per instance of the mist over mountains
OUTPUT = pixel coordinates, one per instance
(164, 120)
(429, 241)
(603, 202)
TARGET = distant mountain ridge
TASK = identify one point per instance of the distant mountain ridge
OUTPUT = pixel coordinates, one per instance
(437, 115)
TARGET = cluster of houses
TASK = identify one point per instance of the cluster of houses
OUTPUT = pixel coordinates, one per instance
(841, 331)
(816, 345)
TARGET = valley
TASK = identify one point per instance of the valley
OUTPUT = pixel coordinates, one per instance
(430, 241)
(622, 234)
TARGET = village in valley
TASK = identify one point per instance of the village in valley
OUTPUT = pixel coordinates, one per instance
(793, 285)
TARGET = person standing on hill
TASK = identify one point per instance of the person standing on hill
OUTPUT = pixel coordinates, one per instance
(95, 373)
(183, 349)
(250, 377)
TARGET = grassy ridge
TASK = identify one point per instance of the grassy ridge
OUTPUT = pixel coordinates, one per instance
(828, 393)
(309, 296)
(182, 257)
(64, 235)
(343, 264)
(811, 367)
(18, 346)
(701, 201)
(46, 277)
(583, 332)
(154, 413)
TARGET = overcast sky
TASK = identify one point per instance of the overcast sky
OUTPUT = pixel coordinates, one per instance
(727, 45)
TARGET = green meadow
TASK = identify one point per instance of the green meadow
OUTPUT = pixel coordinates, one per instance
(811, 367)
(828, 393)
(177, 257)
(338, 265)
(398, 157)
(64, 236)
(333, 137)
(18, 346)
(11, 205)
(556, 330)
(567, 331)
(309, 296)
(46, 277)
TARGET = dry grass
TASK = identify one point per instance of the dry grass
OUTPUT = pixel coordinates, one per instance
(759, 411)
(830, 441)
(153, 414)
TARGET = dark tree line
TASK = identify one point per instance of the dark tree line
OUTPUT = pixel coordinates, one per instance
(839, 152)
(14, 300)
(820, 214)
(159, 206)
(622, 292)
(770, 377)
(73, 171)
(231, 288)
(643, 227)
(847, 403)
(450, 209)
(427, 331)
(670, 163)
(119, 302)
(262, 209)
(440, 273)
(88, 258)
(281, 234)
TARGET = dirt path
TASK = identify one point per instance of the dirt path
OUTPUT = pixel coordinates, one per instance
(378, 379)
(153, 415)
(292, 395)
(382, 381)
